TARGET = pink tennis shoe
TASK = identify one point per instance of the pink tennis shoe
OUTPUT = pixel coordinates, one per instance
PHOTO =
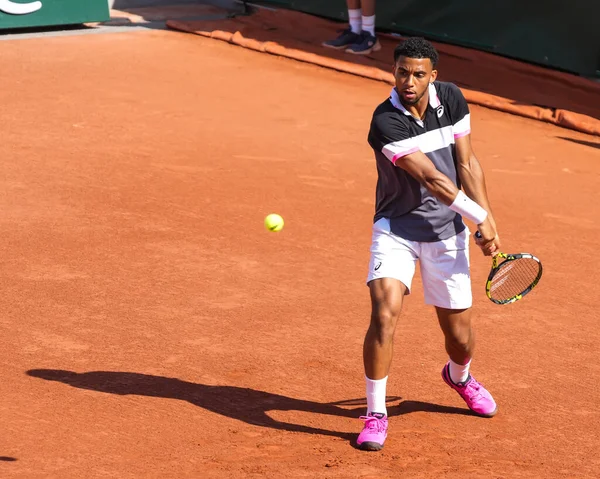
(478, 398)
(374, 433)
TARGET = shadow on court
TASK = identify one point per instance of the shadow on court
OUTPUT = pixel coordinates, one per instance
(246, 405)
(591, 144)
(7, 459)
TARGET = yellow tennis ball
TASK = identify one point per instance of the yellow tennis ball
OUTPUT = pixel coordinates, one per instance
(274, 222)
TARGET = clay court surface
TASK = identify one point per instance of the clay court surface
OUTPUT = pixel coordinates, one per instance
(151, 327)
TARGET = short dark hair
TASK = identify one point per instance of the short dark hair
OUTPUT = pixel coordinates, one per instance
(416, 47)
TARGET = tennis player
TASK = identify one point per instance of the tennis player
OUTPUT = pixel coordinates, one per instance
(421, 139)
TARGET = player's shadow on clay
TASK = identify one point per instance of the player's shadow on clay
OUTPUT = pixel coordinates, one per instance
(246, 405)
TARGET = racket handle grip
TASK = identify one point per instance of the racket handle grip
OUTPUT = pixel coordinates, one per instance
(477, 234)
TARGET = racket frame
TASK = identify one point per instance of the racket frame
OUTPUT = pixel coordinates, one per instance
(496, 267)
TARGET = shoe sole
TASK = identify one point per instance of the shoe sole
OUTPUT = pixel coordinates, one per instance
(370, 446)
(490, 414)
(374, 48)
(334, 47)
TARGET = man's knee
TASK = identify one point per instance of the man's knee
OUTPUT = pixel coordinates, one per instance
(383, 323)
(386, 300)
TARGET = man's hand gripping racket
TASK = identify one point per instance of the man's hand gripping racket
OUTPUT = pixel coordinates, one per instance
(513, 278)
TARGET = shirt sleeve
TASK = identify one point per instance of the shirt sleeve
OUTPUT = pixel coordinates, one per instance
(459, 108)
(391, 137)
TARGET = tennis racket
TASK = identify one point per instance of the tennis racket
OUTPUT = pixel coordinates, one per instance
(512, 276)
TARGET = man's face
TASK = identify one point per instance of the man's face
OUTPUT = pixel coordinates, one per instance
(413, 76)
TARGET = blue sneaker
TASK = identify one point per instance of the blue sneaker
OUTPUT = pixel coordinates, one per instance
(343, 40)
(365, 44)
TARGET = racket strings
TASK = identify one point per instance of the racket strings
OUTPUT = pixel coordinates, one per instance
(513, 278)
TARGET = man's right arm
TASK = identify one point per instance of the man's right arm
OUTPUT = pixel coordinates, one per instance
(422, 169)
(394, 140)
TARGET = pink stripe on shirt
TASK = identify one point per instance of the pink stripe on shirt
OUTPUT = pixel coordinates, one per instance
(397, 156)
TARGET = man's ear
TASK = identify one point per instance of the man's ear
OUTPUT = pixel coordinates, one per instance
(433, 76)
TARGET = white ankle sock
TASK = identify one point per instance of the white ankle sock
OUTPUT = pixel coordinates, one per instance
(376, 390)
(355, 19)
(458, 372)
(368, 24)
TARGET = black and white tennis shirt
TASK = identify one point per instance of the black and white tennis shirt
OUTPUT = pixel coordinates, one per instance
(414, 213)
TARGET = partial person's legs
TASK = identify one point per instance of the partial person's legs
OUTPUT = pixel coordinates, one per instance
(460, 340)
(363, 14)
(367, 42)
(386, 303)
(355, 14)
(391, 270)
(460, 344)
(446, 278)
(368, 15)
(352, 34)
(359, 38)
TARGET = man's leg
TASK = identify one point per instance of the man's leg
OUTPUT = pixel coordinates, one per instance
(391, 270)
(460, 340)
(355, 13)
(367, 42)
(368, 16)
(460, 343)
(446, 278)
(353, 34)
(386, 303)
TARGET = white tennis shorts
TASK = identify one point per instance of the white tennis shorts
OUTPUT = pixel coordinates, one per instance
(445, 269)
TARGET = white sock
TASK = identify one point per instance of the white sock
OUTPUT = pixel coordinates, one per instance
(458, 372)
(376, 395)
(355, 20)
(368, 24)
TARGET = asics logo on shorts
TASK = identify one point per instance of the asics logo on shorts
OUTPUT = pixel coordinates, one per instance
(377, 266)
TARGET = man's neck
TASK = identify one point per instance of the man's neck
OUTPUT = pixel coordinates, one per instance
(418, 110)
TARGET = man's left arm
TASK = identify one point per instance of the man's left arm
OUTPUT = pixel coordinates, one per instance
(471, 174)
(473, 181)
(469, 169)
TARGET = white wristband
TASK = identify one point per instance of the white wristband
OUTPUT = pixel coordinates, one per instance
(466, 207)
